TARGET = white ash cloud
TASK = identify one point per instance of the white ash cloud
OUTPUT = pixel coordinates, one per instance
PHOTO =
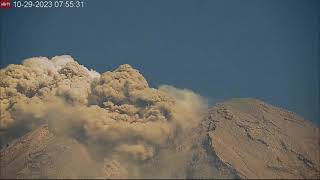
(116, 114)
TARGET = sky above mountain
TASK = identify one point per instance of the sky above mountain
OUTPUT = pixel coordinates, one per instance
(266, 49)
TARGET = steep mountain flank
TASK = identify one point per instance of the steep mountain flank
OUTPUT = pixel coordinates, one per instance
(261, 141)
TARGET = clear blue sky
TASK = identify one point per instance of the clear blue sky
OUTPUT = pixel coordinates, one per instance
(267, 49)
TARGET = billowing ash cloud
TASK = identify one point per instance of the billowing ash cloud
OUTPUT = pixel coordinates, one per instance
(115, 114)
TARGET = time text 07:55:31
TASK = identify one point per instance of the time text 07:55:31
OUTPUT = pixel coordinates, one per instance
(48, 4)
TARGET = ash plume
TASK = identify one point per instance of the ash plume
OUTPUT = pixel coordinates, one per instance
(122, 122)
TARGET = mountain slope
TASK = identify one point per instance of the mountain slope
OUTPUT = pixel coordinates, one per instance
(262, 141)
(40, 154)
(58, 119)
(240, 138)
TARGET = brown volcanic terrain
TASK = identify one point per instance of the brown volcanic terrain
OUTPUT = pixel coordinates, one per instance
(60, 120)
(261, 141)
(240, 138)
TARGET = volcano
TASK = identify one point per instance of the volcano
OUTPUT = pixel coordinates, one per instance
(61, 120)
